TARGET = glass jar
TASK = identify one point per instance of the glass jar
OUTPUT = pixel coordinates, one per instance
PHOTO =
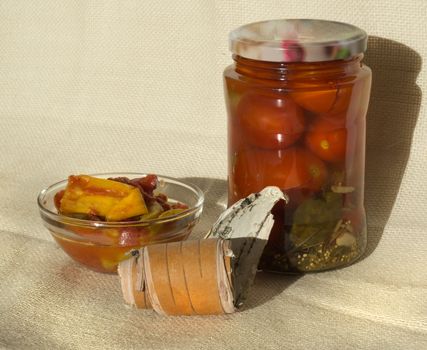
(297, 96)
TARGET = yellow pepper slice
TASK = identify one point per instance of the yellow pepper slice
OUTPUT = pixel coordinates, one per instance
(113, 200)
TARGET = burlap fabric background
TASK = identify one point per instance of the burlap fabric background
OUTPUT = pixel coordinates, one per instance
(96, 86)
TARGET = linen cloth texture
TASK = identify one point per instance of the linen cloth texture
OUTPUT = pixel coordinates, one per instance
(100, 86)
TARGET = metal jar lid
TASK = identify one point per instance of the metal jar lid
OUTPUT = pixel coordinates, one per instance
(298, 40)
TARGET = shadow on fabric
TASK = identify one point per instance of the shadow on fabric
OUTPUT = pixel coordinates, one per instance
(392, 116)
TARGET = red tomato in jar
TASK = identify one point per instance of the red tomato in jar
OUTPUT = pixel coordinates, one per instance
(291, 168)
(270, 122)
(234, 90)
(327, 140)
(330, 100)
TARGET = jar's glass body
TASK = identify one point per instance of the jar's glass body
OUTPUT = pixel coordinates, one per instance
(301, 126)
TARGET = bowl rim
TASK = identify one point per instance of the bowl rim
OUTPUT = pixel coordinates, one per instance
(110, 224)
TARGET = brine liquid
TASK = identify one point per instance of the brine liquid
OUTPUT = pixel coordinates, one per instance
(306, 136)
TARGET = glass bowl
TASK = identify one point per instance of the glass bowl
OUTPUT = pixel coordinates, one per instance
(101, 245)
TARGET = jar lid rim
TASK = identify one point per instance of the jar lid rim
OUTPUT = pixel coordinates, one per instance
(298, 40)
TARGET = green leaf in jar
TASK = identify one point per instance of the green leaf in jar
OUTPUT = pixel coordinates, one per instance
(315, 220)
